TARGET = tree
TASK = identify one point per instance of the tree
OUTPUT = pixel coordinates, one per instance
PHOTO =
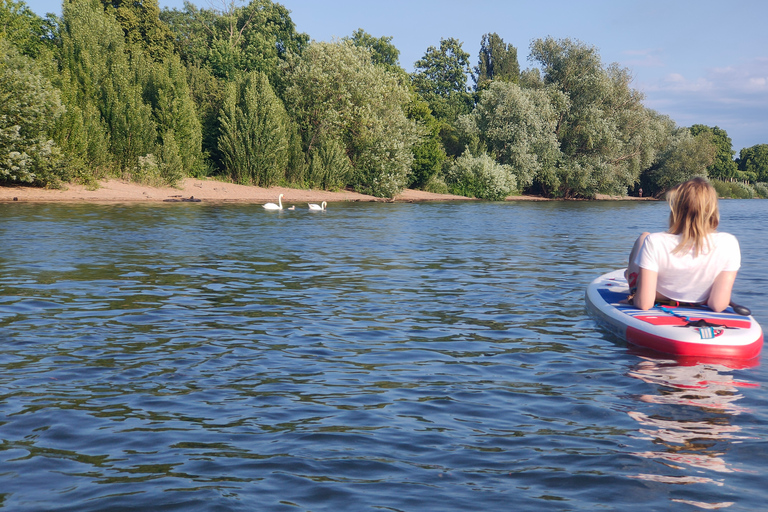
(22, 28)
(254, 132)
(753, 161)
(440, 77)
(29, 107)
(684, 157)
(338, 97)
(428, 154)
(230, 40)
(142, 28)
(100, 81)
(167, 92)
(724, 166)
(383, 52)
(606, 135)
(480, 176)
(496, 61)
(517, 127)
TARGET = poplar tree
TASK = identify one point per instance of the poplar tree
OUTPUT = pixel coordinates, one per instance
(254, 132)
(496, 61)
(167, 92)
(142, 27)
(94, 56)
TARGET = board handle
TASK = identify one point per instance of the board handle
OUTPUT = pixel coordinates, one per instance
(740, 310)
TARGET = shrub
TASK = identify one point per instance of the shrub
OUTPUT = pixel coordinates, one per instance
(481, 177)
(733, 189)
(761, 189)
(29, 107)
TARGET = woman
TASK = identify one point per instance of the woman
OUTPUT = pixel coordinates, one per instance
(690, 262)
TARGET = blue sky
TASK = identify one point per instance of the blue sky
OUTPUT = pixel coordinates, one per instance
(697, 61)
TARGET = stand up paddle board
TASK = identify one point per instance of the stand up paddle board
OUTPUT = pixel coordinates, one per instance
(681, 330)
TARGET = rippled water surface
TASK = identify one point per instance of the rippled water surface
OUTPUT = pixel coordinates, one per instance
(400, 357)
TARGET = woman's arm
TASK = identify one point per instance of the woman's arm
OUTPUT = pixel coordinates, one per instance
(720, 296)
(645, 296)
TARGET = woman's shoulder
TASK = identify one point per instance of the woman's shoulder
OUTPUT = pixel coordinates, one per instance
(724, 238)
(665, 236)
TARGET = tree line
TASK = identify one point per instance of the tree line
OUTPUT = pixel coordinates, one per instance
(121, 88)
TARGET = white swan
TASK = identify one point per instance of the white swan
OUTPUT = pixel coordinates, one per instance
(317, 207)
(273, 206)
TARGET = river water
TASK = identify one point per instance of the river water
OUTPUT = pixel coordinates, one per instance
(383, 357)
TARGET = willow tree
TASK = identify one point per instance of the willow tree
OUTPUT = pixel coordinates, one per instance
(517, 127)
(339, 97)
(606, 135)
(254, 132)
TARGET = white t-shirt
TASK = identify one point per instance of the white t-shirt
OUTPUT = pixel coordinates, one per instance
(682, 276)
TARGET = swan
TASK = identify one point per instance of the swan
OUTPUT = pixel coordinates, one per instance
(316, 207)
(273, 206)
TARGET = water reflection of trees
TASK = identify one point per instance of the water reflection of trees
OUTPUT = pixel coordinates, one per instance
(689, 435)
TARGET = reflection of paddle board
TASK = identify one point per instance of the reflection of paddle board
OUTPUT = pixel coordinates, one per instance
(677, 330)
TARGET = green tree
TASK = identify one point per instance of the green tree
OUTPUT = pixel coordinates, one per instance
(230, 40)
(254, 132)
(496, 61)
(29, 107)
(517, 127)
(337, 96)
(724, 167)
(480, 176)
(429, 154)
(142, 28)
(683, 157)
(440, 77)
(606, 135)
(753, 161)
(28, 32)
(207, 93)
(166, 90)
(383, 52)
(102, 79)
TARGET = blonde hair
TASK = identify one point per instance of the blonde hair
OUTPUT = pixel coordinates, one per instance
(694, 214)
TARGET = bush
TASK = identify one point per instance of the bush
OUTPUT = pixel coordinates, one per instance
(761, 189)
(481, 177)
(733, 189)
(29, 107)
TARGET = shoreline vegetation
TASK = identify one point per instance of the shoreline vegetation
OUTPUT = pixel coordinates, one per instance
(116, 90)
(214, 191)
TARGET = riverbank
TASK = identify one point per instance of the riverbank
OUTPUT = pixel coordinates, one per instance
(211, 190)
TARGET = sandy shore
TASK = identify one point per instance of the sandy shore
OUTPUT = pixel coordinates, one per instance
(210, 190)
(193, 189)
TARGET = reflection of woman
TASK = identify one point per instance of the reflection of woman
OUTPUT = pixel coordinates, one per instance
(690, 438)
(691, 262)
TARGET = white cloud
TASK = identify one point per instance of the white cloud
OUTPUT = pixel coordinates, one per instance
(734, 98)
